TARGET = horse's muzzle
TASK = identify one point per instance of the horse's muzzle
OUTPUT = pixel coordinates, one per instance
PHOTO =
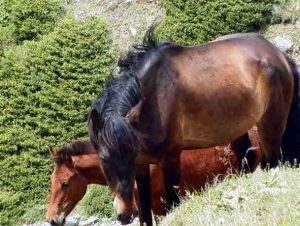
(124, 218)
(54, 223)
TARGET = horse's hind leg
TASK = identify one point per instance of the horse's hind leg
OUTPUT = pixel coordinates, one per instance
(270, 129)
(242, 147)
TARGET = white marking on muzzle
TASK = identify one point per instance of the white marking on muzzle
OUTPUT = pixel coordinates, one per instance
(61, 217)
(115, 205)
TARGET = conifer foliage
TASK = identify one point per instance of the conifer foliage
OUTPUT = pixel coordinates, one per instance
(197, 21)
(47, 88)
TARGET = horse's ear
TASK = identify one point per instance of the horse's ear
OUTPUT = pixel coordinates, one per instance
(133, 115)
(54, 155)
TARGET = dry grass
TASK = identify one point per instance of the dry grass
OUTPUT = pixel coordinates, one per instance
(261, 198)
(122, 16)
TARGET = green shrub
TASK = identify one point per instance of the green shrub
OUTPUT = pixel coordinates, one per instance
(98, 202)
(46, 91)
(8, 202)
(25, 20)
(198, 21)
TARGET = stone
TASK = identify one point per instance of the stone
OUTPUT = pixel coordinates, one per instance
(133, 31)
(72, 220)
(283, 43)
(90, 221)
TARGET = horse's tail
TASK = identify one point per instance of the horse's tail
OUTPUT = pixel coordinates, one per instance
(291, 136)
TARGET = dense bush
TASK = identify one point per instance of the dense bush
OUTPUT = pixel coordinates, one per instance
(25, 20)
(46, 91)
(98, 202)
(198, 21)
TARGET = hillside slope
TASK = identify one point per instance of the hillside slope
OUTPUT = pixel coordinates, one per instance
(262, 198)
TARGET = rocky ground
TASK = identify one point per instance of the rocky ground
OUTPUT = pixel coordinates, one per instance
(75, 220)
(127, 19)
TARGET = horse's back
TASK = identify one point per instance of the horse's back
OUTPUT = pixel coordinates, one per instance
(241, 58)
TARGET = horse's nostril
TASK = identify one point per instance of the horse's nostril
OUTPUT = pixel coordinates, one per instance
(119, 217)
(52, 222)
(124, 219)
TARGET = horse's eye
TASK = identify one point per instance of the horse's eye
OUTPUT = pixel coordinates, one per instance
(65, 184)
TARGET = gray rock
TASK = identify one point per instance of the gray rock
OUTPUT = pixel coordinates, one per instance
(90, 221)
(283, 43)
(110, 222)
(133, 31)
(72, 220)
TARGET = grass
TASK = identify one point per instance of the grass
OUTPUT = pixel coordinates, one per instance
(261, 198)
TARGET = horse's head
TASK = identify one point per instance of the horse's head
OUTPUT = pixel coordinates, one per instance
(119, 205)
(68, 186)
(117, 145)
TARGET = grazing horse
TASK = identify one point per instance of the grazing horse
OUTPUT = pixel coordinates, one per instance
(77, 165)
(170, 98)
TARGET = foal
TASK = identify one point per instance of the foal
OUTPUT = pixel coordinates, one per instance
(77, 165)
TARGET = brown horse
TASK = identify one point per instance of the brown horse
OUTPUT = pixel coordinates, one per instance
(77, 165)
(170, 98)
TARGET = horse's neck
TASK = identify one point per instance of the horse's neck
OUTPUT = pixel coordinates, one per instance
(89, 165)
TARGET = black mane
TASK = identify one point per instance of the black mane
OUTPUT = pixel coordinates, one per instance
(121, 94)
(141, 53)
(77, 147)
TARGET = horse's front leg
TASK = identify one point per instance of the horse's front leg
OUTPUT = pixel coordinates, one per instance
(171, 169)
(144, 190)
